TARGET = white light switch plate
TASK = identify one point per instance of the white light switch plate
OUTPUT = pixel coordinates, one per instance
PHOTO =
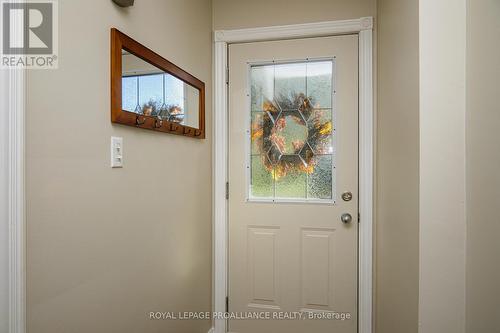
(116, 152)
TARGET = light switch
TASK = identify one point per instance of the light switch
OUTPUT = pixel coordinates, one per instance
(116, 152)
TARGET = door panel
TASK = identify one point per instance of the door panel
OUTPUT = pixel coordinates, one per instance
(262, 256)
(293, 150)
(317, 266)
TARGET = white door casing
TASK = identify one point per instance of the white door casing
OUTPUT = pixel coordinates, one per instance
(363, 27)
(12, 219)
(13, 95)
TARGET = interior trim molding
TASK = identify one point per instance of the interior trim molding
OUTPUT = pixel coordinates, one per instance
(366, 182)
(16, 197)
(316, 29)
(222, 38)
(220, 150)
(15, 93)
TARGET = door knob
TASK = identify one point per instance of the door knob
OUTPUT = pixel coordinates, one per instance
(346, 218)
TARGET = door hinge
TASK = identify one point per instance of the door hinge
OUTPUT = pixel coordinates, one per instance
(359, 217)
(227, 304)
(227, 190)
(227, 75)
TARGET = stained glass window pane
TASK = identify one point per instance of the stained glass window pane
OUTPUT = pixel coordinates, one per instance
(292, 130)
(290, 181)
(322, 143)
(319, 83)
(292, 151)
(289, 83)
(261, 178)
(319, 184)
(262, 87)
(257, 132)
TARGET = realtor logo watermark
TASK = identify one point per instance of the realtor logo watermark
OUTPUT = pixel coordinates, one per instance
(29, 36)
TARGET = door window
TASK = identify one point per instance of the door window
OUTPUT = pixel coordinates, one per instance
(292, 131)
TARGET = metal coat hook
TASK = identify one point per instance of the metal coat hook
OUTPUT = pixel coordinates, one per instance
(158, 123)
(138, 122)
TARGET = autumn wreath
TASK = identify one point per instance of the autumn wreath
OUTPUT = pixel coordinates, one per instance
(269, 135)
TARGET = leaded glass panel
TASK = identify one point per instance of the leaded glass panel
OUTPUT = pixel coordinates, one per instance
(291, 131)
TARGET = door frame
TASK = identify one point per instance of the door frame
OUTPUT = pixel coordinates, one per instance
(13, 175)
(363, 27)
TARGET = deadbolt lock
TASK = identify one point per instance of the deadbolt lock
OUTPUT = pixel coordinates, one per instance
(347, 196)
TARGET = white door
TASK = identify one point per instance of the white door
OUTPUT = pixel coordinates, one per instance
(293, 153)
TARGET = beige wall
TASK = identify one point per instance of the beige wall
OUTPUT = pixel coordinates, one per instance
(483, 164)
(101, 256)
(107, 246)
(397, 234)
(235, 14)
(442, 166)
(396, 286)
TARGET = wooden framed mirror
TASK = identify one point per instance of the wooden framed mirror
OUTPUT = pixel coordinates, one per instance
(150, 92)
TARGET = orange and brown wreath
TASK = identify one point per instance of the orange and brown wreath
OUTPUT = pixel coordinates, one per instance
(267, 135)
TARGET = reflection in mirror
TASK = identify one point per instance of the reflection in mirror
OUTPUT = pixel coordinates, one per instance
(149, 91)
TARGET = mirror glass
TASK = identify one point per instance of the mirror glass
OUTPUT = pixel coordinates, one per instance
(150, 91)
